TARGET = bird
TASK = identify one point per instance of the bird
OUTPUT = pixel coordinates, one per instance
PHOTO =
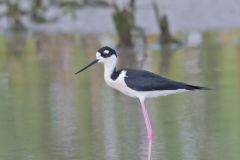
(139, 84)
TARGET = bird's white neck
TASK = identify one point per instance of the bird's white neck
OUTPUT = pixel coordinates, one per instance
(109, 68)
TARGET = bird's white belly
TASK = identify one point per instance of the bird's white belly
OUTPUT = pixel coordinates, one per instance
(122, 87)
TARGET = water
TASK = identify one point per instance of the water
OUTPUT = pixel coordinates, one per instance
(47, 112)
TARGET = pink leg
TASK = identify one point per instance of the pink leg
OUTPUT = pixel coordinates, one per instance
(148, 126)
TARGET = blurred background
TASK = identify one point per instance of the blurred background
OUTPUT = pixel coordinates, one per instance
(49, 113)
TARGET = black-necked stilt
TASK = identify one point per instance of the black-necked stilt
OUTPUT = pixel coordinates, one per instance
(138, 84)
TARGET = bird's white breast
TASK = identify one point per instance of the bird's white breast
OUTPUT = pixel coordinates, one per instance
(119, 84)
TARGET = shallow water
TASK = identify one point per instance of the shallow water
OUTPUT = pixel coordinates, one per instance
(47, 112)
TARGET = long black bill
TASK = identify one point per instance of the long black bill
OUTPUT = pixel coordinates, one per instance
(89, 65)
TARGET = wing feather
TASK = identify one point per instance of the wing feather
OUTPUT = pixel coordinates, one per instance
(141, 80)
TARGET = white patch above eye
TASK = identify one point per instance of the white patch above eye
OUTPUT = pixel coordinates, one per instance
(106, 51)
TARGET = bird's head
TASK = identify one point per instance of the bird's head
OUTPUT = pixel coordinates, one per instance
(105, 55)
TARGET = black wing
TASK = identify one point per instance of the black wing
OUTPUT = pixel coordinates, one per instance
(141, 80)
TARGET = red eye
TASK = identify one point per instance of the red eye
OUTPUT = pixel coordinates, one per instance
(104, 55)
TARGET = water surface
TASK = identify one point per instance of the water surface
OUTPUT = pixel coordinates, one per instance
(47, 112)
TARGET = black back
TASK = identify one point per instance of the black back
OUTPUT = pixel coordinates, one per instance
(141, 80)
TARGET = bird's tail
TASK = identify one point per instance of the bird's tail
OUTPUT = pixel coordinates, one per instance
(192, 87)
